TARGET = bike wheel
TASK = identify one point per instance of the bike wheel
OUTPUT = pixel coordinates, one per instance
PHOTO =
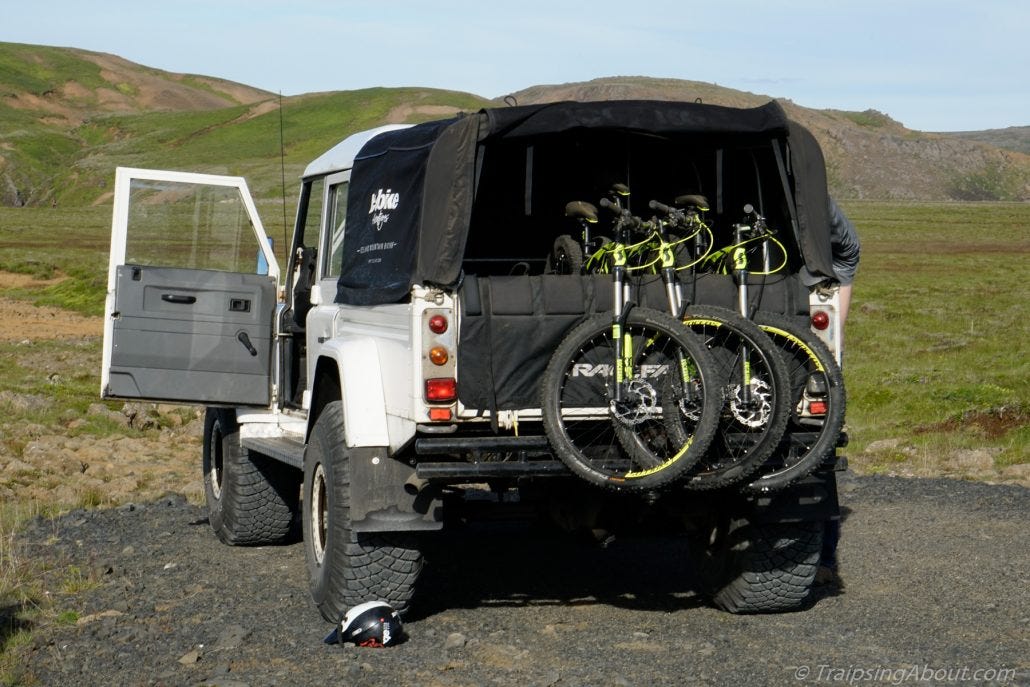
(566, 256)
(621, 441)
(817, 404)
(756, 406)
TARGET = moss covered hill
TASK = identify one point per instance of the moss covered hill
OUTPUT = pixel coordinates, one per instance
(68, 117)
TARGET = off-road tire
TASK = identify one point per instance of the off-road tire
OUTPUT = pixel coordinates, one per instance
(346, 568)
(566, 256)
(757, 568)
(252, 499)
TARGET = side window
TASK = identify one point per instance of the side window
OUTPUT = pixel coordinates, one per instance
(313, 216)
(190, 225)
(337, 217)
(304, 265)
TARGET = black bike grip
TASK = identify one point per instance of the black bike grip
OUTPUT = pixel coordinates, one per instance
(660, 207)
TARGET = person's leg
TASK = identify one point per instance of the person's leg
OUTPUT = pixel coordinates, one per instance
(827, 573)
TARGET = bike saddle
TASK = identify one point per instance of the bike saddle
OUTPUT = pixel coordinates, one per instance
(692, 200)
(581, 209)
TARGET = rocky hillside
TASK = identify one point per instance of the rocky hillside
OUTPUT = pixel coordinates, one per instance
(1015, 138)
(68, 117)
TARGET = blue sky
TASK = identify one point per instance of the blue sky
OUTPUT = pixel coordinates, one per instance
(934, 65)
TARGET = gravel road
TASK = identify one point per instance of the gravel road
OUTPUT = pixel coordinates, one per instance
(937, 591)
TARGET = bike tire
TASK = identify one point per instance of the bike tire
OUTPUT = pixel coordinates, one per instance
(626, 447)
(808, 440)
(749, 429)
(566, 256)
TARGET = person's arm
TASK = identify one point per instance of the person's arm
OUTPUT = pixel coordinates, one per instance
(846, 253)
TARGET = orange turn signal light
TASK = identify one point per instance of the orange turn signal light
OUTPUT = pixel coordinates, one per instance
(440, 414)
(438, 355)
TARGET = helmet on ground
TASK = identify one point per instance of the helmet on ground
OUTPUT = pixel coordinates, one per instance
(372, 623)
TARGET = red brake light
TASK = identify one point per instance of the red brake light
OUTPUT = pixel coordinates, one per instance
(438, 324)
(820, 320)
(441, 389)
(817, 407)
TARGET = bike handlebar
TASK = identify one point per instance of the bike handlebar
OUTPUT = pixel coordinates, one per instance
(676, 214)
(626, 219)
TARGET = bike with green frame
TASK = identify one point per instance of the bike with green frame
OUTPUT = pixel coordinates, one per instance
(606, 387)
(817, 396)
(753, 376)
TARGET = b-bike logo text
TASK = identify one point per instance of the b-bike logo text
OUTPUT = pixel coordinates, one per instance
(382, 201)
(605, 370)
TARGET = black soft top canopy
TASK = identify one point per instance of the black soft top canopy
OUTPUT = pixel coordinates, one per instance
(427, 201)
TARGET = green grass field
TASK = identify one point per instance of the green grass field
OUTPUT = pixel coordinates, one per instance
(936, 360)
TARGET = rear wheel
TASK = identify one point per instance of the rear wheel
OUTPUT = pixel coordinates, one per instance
(252, 499)
(346, 568)
(757, 568)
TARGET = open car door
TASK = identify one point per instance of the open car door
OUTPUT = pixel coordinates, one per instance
(191, 292)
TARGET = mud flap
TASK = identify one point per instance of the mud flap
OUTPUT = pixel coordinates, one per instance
(385, 496)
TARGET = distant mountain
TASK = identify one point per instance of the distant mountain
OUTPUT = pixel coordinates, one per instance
(68, 117)
(1014, 138)
(868, 154)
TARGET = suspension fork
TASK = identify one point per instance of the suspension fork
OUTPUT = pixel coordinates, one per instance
(677, 305)
(620, 311)
(740, 273)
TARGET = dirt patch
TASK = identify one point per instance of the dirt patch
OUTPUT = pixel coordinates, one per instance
(34, 322)
(27, 322)
(992, 424)
(402, 113)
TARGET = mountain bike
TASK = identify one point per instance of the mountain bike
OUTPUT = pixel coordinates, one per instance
(817, 397)
(606, 389)
(753, 377)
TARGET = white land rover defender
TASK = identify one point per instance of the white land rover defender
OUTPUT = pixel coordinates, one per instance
(391, 375)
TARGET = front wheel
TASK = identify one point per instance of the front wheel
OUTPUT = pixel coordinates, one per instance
(756, 403)
(817, 404)
(346, 568)
(251, 498)
(607, 417)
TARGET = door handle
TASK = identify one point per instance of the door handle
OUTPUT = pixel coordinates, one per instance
(178, 298)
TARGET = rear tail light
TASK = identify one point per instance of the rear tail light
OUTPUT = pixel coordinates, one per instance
(817, 407)
(438, 324)
(441, 390)
(820, 320)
